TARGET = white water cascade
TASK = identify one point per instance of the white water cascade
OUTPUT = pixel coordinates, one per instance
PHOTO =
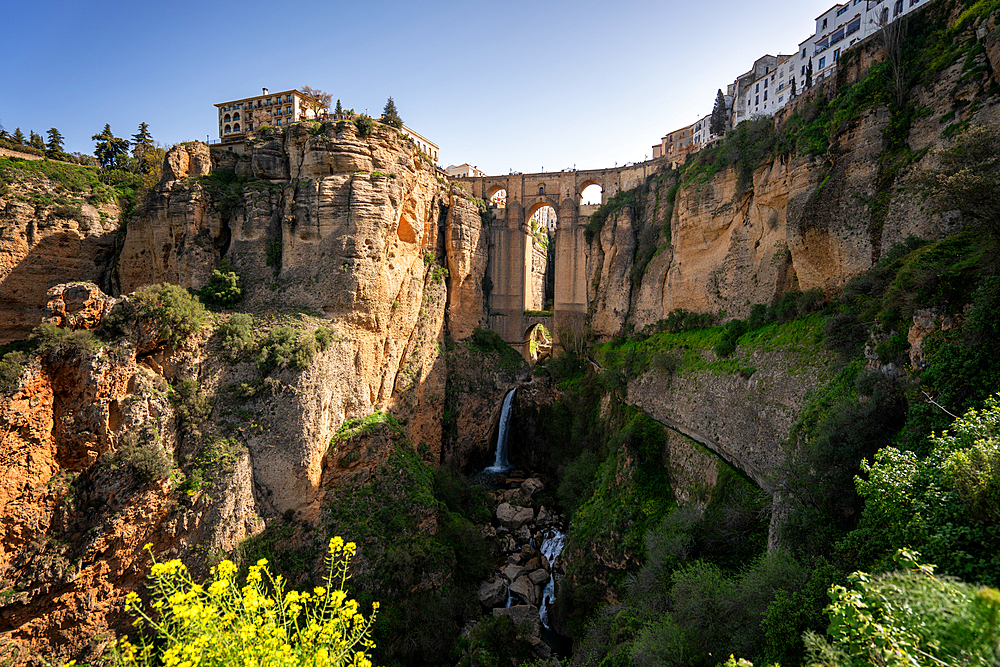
(501, 464)
(551, 548)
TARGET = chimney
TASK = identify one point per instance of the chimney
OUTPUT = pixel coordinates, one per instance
(265, 91)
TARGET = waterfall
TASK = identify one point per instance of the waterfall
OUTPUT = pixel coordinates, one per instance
(551, 548)
(501, 464)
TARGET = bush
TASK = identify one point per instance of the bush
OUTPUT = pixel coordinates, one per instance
(237, 336)
(54, 339)
(176, 313)
(285, 346)
(911, 615)
(145, 454)
(11, 368)
(845, 335)
(226, 624)
(365, 125)
(223, 289)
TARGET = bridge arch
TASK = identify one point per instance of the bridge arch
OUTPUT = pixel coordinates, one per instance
(538, 340)
(582, 194)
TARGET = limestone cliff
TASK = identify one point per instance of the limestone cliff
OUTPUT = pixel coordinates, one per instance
(800, 222)
(351, 247)
(57, 224)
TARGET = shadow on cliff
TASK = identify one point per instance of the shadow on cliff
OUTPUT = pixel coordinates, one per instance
(54, 259)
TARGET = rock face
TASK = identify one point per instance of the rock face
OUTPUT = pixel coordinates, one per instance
(799, 223)
(43, 244)
(352, 231)
(355, 229)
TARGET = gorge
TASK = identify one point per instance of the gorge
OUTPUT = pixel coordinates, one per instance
(736, 339)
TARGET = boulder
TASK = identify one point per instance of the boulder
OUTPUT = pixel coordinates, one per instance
(492, 593)
(513, 517)
(525, 589)
(539, 577)
(533, 564)
(539, 648)
(523, 534)
(530, 487)
(544, 518)
(77, 305)
(512, 571)
(528, 552)
(521, 614)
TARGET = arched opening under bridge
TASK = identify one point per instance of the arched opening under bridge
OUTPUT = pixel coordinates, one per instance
(537, 344)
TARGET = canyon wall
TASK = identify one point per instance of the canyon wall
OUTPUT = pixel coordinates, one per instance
(801, 222)
(354, 244)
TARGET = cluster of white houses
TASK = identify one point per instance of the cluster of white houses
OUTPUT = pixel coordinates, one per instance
(774, 80)
(238, 117)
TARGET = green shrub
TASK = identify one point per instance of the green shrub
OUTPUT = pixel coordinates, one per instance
(176, 312)
(845, 335)
(223, 288)
(286, 346)
(913, 616)
(274, 255)
(11, 367)
(193, 404)
(237, 336)
(144, 453)
(487, 341)
(323, 338)
(496, 642)
(365, 125)
(53, 339)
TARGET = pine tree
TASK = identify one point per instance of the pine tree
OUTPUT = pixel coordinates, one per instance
(142, 141)
(717, 125)
(54, 149)
(18, 136)
(109, 150)
(36, 141)
(809, 74)
(390, 116)
(339, 108)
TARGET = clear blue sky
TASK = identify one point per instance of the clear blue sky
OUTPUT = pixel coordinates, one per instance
(502, 85)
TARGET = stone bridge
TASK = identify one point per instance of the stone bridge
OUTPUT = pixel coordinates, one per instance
(513, 263)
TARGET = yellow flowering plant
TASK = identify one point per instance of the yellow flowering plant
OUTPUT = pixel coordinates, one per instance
(259, 624)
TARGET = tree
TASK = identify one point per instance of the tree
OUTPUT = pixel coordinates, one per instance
(719, 120)
(259, 118)
(390, 116)
(36, 141)
(110, 150)
(146, 155)
(891, 36)
(809, 74)
(18, 136)
(793, 88)
(969, 178)
(339, 108)
(315, 100)
(142, 141)
(54, 149)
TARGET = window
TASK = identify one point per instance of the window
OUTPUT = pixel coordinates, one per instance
(803, 53)
(822, 62)
(898, 9)
(767, 70)
(781, 86)
(836, 55)
(842, 10)
(765, 96)
(757, 100)
(781, 99)
(757, 88)
(803, 71)
(913, 2)
(765, 85)
(824, 24)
